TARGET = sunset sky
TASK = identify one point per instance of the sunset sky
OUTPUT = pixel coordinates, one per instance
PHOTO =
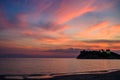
(58, 28)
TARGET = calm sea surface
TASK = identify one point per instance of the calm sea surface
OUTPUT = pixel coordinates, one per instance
(53, 65)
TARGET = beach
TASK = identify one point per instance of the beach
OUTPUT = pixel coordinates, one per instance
(93, 75)
(102, 76)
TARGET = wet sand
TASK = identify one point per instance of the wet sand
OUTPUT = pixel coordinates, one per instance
(94, 75)
(102, 76)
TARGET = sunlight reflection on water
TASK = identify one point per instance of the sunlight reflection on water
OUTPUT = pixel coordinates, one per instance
(53, 65)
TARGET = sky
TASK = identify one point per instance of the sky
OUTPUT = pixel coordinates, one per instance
(58, 28)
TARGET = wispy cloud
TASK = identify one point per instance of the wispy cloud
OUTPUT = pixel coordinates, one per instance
(53, 24)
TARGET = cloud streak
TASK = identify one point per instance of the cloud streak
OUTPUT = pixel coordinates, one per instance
(58, 24)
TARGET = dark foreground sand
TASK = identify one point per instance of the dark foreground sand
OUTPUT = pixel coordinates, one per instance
(103, 75)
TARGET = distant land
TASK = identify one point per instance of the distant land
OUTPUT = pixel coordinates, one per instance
(52, 53)
(101, 54)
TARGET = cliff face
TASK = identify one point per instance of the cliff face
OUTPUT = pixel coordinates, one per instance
(98, 55)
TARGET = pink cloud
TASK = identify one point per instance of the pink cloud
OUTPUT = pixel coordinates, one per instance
(92, 32)
(111, 31)
(53, 33)
(67, 12)
(4, 23)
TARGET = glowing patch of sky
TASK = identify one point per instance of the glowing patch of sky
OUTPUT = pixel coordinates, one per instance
(46, 24)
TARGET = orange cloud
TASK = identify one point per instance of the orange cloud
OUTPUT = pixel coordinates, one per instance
(66, 12)
(94, 31)
(62, 28)
(111, 31)
(61, 39)
(52, 32)
(99, 25)
(28, 33)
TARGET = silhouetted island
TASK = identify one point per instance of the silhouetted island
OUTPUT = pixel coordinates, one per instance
(101, 54)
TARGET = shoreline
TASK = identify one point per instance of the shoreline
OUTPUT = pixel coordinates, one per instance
(113, 74)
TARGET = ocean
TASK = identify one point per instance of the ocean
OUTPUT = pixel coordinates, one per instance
(54, 65)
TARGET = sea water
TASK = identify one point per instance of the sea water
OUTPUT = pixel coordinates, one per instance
(54, 65)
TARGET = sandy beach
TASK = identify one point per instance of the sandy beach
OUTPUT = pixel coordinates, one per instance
(102, 76)
(94, 75)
